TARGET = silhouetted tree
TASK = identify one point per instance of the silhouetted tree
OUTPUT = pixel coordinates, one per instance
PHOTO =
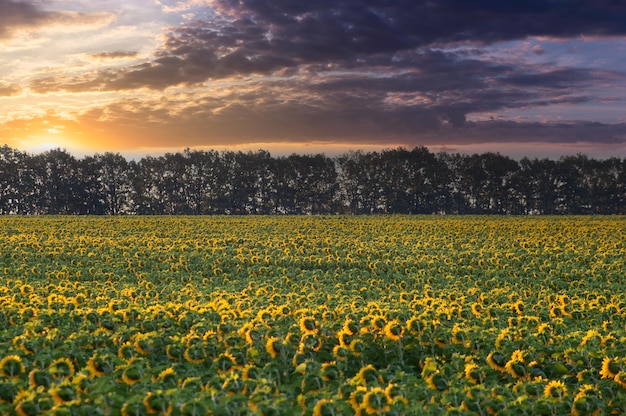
(390, 181)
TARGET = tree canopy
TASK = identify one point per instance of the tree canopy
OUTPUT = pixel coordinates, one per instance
(397, 181)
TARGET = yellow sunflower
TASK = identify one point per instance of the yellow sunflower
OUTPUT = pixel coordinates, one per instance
(38, 377)
(62, 368)
(610, 367)
(308, 325)
(555, 389)
(376, 401)
(473, 373)
(63, 392)
(356, 399)
(157, 403)
(11, 366)
(620, 378)
(367, 375)
(496, 361)
(167, 376)
(273, 346)
(323, 407)
(393, 330)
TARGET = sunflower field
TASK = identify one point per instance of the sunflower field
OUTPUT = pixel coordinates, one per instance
(337, 315)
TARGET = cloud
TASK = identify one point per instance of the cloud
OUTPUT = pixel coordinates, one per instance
(114, 55)
(7, 90)
(348, 70)
(538, 49)
(27, 15)
(250, 37)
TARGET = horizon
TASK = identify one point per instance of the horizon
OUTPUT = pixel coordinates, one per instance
(537, 80)
(138, 155)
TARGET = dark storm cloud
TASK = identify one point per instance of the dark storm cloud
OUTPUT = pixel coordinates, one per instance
(559, 78)
(360, 70)
(15, 15)
(262, 37)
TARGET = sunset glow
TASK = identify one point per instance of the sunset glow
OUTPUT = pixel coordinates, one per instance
(142, 77)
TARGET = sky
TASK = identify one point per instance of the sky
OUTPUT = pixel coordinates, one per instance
(536, 78)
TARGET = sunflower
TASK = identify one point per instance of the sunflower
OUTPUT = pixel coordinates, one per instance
(126, 351)
(194, 354)
(131, 375)
(26, 289)
(310, 342)
(516, 369)
(587, 390)
(477, 309)
(459, 337)
(175, 351)
(366, 375)
(437, 381)
(376, 401)
(308, 325)
(249, 372)
(519, 307)
(473, 373)
(11, 366)
(157, 403)
(344, 337)
(591, 334)
(356, 399)
(98, 366)
(393, 330)
(167, 376)
(378, 323)
(330, 371)
(620, 378)
(63, 392)
(225, 362)
(610, 367)
(555, 389)
(62, 368)
(496, 361)
(340, 352)
(323, 407)
(350, 327)
(38, 377)
(273, 346)
(415, 325)
(587, 401)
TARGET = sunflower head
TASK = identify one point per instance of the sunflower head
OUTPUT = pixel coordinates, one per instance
(376, 401)
(273, 346)
(324, 407)
(63, 392)
(367, 375)
(393, 330)
(555, 389)
(168, 376)
(62, 368)
(497, 361)
(473, 373)
(610, 367)
(39, 378)
(308, 325)
(11, 366)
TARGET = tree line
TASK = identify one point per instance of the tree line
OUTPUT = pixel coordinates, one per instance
(398, 181)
